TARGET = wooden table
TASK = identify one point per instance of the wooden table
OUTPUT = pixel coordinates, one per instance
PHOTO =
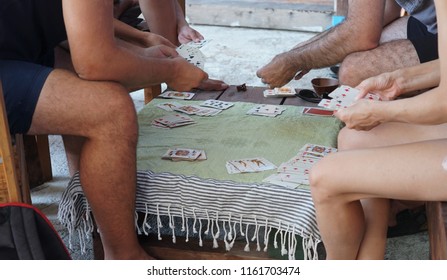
(181, 250)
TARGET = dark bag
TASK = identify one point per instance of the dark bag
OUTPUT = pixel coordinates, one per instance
(27, 234)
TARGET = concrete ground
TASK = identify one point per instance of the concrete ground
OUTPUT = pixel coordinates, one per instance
(233, 55)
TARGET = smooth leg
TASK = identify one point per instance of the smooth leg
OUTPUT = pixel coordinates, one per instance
(340, 180)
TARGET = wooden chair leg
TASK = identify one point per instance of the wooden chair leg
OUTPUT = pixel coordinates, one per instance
(151, 92)
(43, 148)
(22, 168)
(13, 176)
(38, 162)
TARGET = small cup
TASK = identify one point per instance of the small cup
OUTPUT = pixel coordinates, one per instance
(324, 86)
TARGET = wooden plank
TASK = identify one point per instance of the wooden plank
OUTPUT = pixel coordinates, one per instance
(437, 221)
(182, 250)
(205, 95)
(296, 101)
(253, 94)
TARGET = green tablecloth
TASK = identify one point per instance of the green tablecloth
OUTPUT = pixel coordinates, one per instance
(230, 135)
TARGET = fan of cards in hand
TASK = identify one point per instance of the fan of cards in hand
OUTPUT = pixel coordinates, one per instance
(344, 96)
(191, 52)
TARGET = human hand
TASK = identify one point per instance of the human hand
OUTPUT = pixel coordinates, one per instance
(187, 34)
(152, 39)
(160, 51)
(279, 71)
(211, 84)
(385, 85)
(185, 75)
(362, 115)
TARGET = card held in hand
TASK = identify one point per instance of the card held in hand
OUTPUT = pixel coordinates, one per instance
(343, 97)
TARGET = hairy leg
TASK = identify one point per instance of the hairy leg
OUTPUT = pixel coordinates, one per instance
(102, 113)
(73, 147)
(394, 172)
(387, 57)
(396, 30)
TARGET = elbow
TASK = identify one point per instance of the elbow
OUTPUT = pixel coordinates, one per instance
(91, 70)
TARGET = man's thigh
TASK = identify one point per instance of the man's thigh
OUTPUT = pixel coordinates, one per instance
(387, 57)
(68, 105)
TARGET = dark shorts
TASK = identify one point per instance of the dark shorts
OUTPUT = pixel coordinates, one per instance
(22, 83)
(425, 43)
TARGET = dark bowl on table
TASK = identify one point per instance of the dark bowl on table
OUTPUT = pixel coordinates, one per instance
(324, 86)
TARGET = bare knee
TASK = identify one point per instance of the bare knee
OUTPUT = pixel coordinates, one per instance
(349, 139)
(350, 72)
(320, 184)
(118, 117)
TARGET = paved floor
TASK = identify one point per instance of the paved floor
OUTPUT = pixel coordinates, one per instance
(233, 55)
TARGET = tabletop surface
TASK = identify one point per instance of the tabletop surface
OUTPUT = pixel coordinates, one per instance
(252, 94)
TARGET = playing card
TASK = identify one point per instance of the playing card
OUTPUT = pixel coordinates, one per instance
(344, 96)
(177, 95)
(272, 179)
(184, 154)
(169, 106)
(287, 180)
(311, 111)
(251, 165)
(317, 150)
(197, 110)
(188, 109)
(199, 44)
(181, 154)
(192, 54)
(266, 110)
(284, 91)
(217, 104)
(296, 171)
(172, 121)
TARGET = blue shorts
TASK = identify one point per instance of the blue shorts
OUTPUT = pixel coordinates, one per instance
(425, 43)
(22, 83)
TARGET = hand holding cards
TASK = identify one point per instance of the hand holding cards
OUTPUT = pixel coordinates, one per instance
(344, 96)
(191, 52)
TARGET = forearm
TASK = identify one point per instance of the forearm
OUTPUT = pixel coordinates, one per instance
(128, 33)
(359, 32)
(429, 108)
(423, 76)
(180, 15)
